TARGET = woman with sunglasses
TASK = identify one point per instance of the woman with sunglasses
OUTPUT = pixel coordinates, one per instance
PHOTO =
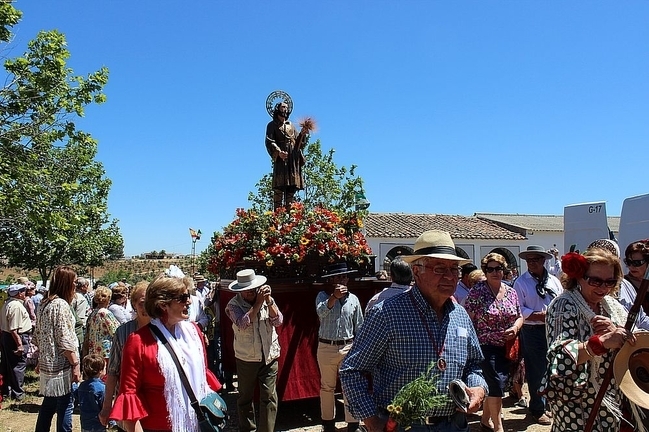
(496, 314)
(584, 327)
(150, 388)
(636, 258)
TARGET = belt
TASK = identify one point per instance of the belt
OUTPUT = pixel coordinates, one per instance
(336, 342)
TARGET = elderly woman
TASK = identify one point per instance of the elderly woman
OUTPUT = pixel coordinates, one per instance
(101, 326)
(150, 387)
(119, 303)
(496, 314)
(584, 328)
(119, 339)
(58, 352)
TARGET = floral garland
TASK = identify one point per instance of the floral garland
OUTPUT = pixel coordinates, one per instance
(574, 265)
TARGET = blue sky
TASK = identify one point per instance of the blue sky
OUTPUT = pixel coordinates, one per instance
(451, 107)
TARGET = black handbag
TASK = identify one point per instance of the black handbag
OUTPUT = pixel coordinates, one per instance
(212, 410)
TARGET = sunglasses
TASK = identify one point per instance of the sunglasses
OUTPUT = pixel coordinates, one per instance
(182, 298)
(597, 282)
(493, 269)
(634, 263)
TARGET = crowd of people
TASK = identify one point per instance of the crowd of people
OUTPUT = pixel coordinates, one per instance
(557, 326)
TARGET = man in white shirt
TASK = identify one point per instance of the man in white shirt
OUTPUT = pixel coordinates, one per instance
(464, 286)
(536, 288)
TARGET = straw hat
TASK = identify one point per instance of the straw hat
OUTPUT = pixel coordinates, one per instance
(631, 370)
(435, 244)
(247, 280)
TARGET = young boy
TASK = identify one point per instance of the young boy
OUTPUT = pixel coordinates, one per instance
(91, 393)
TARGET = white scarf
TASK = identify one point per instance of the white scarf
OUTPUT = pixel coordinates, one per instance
(187, 345)
(618, 316)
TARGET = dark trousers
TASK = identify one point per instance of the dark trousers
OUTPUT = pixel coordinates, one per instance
(535, 347)
(59, 405)
(12, 366)
(248, 374)
(214, 355)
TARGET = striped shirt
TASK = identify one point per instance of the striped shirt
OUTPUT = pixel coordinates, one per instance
(395, 346)
(341, 321)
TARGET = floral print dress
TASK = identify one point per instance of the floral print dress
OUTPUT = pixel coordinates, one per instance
(567, 385)
(492, 316)
(100, 329)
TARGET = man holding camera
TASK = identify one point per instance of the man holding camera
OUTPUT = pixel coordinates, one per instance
(254, 316)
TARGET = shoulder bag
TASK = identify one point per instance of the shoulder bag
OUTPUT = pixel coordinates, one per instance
(212, 409)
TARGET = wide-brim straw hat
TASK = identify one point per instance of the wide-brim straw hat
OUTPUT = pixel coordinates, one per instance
(631, 370)
(535, 250)
(246, 280)
(435, 244)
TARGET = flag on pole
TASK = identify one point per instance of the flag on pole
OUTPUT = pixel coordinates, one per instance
(196, 235)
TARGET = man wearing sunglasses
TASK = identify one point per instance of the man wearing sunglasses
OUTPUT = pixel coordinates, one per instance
(536, 288)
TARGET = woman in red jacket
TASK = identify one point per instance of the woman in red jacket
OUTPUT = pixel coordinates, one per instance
(150, 388)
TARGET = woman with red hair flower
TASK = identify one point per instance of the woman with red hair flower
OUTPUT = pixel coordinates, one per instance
(584, 327)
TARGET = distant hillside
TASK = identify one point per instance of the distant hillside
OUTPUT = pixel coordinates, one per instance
(132, 269)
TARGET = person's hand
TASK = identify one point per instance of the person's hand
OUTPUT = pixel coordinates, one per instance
(374, 424)
(283, 155)
(617, 338)
(537, 316)
(602, 325)
(476, 396)
(103, 416)
(510, 333)
(19, 350)
(340, 291)
(76, 374)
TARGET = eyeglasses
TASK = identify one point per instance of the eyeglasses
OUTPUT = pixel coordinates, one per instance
(634, 263)
(182, 298)
(597, 282)
(493, 269)
(441, 270)
(535, 260)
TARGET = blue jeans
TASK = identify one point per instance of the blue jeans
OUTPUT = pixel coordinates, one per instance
(535, 348)
(62, 406)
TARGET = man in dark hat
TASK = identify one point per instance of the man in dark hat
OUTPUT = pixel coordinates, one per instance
(536, 288)
(406, 335)
(340, 317)
(16, 327)
(284, 145)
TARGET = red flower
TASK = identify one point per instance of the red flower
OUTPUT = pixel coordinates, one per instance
(574, 265)
(391, 425)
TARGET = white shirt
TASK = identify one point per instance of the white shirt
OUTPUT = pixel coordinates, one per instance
(529, 299)
(627, 296)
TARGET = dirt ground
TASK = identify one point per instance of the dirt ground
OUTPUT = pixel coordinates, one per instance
(292, 416)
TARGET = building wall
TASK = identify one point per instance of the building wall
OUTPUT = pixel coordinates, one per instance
(475, 249)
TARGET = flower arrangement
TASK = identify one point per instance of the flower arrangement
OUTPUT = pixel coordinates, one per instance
(574, 265)
(288, 238)
(414, 400)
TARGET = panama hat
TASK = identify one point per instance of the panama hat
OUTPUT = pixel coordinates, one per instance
(336, 269)
(199, 278)
(535, 250)
(435, 244)
(247, 280)
(631, 370)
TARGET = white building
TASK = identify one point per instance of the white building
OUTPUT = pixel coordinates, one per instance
(393, 234)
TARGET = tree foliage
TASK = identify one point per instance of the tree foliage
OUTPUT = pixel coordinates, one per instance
(326, 184)
(53, 193)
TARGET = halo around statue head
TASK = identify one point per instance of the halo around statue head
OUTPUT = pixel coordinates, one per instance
(276, 97)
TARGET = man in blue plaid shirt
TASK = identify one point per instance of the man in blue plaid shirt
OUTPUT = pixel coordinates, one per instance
(405, 334)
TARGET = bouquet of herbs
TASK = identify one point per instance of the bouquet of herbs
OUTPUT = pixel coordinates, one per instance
(415, 400)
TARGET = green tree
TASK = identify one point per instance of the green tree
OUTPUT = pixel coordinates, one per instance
(53, 194)
(326, 184)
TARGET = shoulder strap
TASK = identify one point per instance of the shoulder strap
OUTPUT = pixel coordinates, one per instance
(183, 377)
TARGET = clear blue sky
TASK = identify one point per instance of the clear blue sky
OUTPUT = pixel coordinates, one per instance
(450, 107)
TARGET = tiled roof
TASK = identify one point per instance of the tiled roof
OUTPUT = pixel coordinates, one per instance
(402, 225)
(537, 222)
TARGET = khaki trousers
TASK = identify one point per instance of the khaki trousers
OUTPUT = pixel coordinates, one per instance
(329, 359)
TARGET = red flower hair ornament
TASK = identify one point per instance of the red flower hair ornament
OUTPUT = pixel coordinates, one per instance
(574, 265)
